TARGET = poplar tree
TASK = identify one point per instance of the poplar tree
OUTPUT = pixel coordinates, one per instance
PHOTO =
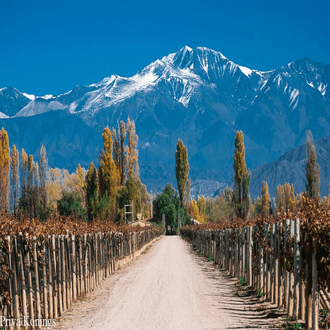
(119, 153)
(181, 169)
(265, 199)
(14, 164)
(132, 151)
(36, 190)
(241, 198)
(91, 192)
(4, 170)
(43, 170)
(202, 207)
(24, 181)
(30, 186)
(145, 201)
(108, 173)
(80, 184)
(312, 169)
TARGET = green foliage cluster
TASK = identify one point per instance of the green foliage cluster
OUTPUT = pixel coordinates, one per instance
(181, 169)
(242, 177)
(312, 169)
(220, 207)
(71, 205)
(168, 203)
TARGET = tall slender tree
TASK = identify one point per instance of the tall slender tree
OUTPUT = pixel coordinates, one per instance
(312, 169)
(4, 170)
(43, 170)
(242, 177)
(181, 169)
(265, 199)
(91, 192)
(79, 184)
(36, 191)
(30, 187)
(119, 153)
(15, 186)
(108, 174)
(132, 151)
(24, 181)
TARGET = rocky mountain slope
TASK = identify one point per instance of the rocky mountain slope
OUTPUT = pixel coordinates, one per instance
(197, 95)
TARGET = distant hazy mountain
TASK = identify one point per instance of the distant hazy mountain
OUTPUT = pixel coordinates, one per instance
(197, 95)
(291, 168)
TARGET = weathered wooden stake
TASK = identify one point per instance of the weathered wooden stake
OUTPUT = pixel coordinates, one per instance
(316, 302)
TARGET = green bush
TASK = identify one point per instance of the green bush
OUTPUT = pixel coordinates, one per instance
(70, 205)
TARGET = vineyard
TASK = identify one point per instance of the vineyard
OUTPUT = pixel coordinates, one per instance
(45, 267)
(284, 259)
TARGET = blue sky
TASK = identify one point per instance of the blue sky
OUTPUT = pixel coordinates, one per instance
(48, 47)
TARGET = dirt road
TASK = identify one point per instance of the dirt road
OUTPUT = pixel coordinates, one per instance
(169, 287)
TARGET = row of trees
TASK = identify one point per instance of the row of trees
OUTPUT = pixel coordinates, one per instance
(236, 202)
(23, 189)
(32, 188)
(116, 182)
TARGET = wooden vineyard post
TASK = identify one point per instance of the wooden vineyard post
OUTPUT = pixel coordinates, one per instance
(63, 268)
(29, 268)
(22, 273)
(233, 248)
(85, 264)
(90, 263)
(45, 291)
(59, 276)
(236, 270)
(214, 244)
(250, 247)
(243, 235)
(280, 272)
(15, 283)
(238, 253)
(309, 298)
(95, 260)
(74, 267)
(291, 274)
(80, 265)
(55, 278)
(10, 307)
(67, 248)
(297, 280)
(266, 262)
(36, 270)
(286, 277)
(227, 251)
(276, 265)
(49, 275)
(261, 266)
(315, 310)
(272, 264)
(254, 259)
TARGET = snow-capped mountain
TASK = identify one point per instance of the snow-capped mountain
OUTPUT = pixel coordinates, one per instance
(198, 95)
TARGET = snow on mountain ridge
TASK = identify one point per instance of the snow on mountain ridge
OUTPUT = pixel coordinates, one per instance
(184, 72)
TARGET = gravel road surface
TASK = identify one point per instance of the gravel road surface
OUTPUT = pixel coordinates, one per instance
(169, 287)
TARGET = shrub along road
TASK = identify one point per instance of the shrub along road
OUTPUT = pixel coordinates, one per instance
(169, 287)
